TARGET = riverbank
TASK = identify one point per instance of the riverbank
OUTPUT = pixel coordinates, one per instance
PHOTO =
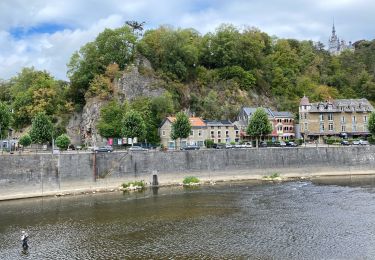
(24, 176)
(214, 181)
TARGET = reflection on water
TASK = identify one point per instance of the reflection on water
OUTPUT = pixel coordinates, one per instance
(293, 220)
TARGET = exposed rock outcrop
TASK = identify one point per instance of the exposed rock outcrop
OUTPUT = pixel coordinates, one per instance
(137, 80)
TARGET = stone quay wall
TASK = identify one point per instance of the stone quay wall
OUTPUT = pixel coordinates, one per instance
(30, 175)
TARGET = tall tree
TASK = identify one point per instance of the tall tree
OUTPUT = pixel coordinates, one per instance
(133, 125)
(41, 129)
(259, 125)
(371, 124)
(109, 124)
(181, 127)
(5, 119)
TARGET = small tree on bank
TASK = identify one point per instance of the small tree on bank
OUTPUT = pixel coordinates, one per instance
(5, 118)
(133, 125)
(25, 140)
(63, 141)
(371, 124)
(259, 125)
(181, 127)
(41, 129)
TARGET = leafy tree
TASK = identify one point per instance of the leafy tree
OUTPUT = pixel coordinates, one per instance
(133, 125)
(63, 141)
(25, 140)
(371, 124)
(41, 129)
(109, 124)
(181, 127)
(5, 118)
(259, 125)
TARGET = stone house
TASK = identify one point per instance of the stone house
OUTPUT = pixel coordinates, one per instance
(339, 118)
(282, 123)
(197, 134)
(223, 131)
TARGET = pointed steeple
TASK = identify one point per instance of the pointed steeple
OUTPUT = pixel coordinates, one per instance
(333, 27)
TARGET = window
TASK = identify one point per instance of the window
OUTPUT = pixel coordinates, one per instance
(163, 133)
(192, 132)
(170, 144)
(353, 119)
(330, 127)
(200, 143)
(321, 117)
(305, 115)
(219, 140)
(321, 127)
(330, 116)
(212, 127)
(343, 128)
(342, 108)
(199, 132)
(354, 128)
(237, 133)
(306, 128)
(227, 133)
(286, 128)
(364, 119)
(219, 127)
(219, 134)
(343, 120)
(212, 134)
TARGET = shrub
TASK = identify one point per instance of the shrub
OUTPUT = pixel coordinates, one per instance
(134, 183)
(25, 140)
(63, 141)
(190, 179)
(208, 143)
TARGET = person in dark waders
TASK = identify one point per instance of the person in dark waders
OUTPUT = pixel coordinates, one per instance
(24, 239)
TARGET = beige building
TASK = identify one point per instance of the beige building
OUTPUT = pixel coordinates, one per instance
(222, 131)
(339, 118)
(197, 135)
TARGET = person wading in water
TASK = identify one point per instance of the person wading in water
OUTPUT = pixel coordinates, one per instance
(24, 239)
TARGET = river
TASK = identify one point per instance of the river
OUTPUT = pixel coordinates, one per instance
(319, 219)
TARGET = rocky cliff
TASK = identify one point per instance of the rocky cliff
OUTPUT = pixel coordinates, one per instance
(137, 80)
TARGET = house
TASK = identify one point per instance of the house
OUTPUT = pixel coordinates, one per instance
(282, 123)
(223, 131)
(339, 118)
(196, 137)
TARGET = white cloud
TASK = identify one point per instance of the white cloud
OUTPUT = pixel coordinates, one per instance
(84, 20)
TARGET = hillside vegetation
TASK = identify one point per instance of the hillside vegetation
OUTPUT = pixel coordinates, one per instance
(209, 75)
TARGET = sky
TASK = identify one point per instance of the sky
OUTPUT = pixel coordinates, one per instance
(45, 33)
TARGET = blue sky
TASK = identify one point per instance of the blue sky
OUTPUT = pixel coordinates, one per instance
(44, 34)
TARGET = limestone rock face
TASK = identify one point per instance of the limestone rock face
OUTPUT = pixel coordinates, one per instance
(137, 80)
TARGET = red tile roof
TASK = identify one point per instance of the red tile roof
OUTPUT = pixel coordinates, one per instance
(194, 121)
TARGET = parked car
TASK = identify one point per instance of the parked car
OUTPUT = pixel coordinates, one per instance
(137, 148)
(219, 146)
(356, 142)
(190, 147)
(345, 142)
(263, 144)
(363, 142)
(291, 144)
(106, 149)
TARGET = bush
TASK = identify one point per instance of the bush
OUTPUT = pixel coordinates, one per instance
(25, 140)
(209, 143)
(134, 184)
(371, 139)
(190, 179)
(63, 141)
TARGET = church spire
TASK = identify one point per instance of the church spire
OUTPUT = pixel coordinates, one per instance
(333, 27)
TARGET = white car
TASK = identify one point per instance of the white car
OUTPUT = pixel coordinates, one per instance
(137, 148)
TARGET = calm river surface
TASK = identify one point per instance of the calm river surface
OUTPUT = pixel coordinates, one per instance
(324, 219)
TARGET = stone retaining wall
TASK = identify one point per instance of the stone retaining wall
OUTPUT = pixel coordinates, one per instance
(46, 174)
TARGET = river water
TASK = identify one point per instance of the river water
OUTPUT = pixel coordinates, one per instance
(321, 219)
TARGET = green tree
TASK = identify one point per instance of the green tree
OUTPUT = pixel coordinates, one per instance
(259, 125)
(25, 140)
(133, 125)
(371, 124)
(63, 141)
(181, 127)
(109, 124)
(5, 118)
(41, 129)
